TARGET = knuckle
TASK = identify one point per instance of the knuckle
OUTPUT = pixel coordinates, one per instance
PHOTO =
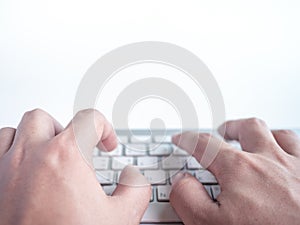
(5, 130)
(254, 122)
(287, 132)
(35, 113)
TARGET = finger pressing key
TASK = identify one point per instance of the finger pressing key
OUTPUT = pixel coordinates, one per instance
(204, 147)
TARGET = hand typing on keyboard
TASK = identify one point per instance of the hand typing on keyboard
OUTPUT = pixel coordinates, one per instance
(260, 185)
(47, 175)
(45, 180)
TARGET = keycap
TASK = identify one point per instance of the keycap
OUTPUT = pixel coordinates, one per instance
(216, 190)
(109, 189)
(118, 174)
(116, 152)
(179, 151)
(192, 163)
(160, 149)
(163, 139)
(173, 162)
(205, 177)
(155, 176)
(148, 162)
(96, 152)
(140, 139)
(208, 190)
(153, 193)
(105, 177)
(101, 163)
(119, 163)
(163, 192)
(135, 149)
(123, 139)
(160, 212)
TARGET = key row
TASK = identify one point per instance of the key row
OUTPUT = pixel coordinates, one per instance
(145, 139)
(162, 193)
(142, 150)
(147, 162)
(155, 177)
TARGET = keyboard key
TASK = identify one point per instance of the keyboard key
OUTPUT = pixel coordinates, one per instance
(153, 194)
(116, 152)
(141, 139)
(118, 163)
(216, 190)
(135, 149)
(101, 163)
(150, 162)
(179, 151)
(160, 212)
(160, 149)
(123, 139)
(208, 190)
(163, 193)
(96, 152)
(105, 177)
(155, 176)
(118, 174)
(109, 189)
(205, 177)
(192, 163)
(173, 162)
(163, 139)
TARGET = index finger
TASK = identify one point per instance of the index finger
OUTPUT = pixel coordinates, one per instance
(89, 129)
(207, 149)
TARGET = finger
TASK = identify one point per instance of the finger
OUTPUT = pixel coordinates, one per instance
(191, 202)
(253, 135)
(132, 195)
(37, 126)
(288, 140)
(7, 135)
(88, 129)
(206, 148)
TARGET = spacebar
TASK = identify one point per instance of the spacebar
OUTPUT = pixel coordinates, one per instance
(160, 212)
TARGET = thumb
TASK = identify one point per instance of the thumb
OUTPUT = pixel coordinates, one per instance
(132, 195)
(191, 202)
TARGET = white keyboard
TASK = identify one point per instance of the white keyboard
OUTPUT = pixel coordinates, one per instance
(158, 160)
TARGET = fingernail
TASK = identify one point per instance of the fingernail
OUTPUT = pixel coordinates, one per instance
(132, 176)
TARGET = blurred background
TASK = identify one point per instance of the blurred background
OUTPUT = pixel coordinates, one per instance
(251, 47)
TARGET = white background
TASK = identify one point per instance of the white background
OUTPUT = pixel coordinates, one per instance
(251, 47)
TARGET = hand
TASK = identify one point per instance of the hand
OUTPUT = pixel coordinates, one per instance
(45, 178)
(260, 185)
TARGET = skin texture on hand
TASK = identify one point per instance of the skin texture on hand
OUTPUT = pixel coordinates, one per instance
(46, 179)
(260, 185)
